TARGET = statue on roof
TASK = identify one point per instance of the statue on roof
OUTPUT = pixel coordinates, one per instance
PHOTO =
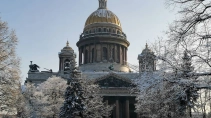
(111, 67)
(33, 67)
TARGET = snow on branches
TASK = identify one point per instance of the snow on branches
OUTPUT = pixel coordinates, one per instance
(9, 71)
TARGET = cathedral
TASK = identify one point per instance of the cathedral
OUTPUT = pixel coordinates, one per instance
(102, 58)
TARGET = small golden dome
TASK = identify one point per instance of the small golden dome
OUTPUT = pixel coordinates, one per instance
(147, 50)
(103, 15)
(67, 47)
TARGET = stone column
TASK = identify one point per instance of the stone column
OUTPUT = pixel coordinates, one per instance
(117, 108)
(95, 53)
(120, 54)
(59, 63)
(127, 110)
(83, 50)
(115, 53)
(106, 101)
(123, 55)
(108, 52)
(137, 115)
(80, 56)
(126, 55)
(101, 50)
(62, 64)
(90, 54)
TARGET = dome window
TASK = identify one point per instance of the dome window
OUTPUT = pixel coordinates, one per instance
(114, 31)
(90, 31)
(67, 65)
(104, 29)
(99, 29)
(118, 32)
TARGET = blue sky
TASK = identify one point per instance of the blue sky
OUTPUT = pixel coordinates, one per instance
(44, 26)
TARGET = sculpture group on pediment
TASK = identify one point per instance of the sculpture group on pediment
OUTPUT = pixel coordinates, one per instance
(113, 82)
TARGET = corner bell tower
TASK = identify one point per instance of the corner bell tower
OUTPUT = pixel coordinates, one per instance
(147, 60)
(66, 58)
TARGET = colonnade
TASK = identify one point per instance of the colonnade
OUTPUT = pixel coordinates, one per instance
(103, 52)
(122, 107)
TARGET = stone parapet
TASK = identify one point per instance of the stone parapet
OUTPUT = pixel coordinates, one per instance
(39, 77)
(95, 75)
(103, 67)
(105, 34)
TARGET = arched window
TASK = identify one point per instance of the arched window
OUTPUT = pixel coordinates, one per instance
(104, 29)
(93, 55)
(86, 57)
(118, 32)
(109, 30)
(114, 31)
(105, 53)
(90, 31)
(67, 64)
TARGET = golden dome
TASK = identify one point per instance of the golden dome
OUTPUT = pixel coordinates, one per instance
(103, 15)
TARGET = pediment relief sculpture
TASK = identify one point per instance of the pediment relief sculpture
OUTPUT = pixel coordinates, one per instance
(113, 80)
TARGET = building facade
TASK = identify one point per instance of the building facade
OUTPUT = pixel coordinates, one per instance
(102, 57)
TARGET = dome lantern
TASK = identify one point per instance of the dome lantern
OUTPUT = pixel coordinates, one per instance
(102, 4)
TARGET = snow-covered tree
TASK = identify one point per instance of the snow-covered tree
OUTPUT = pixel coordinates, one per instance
(22, 108)
(74, 97)
(9, 71)
(82, 99)
(30, 99)
(95, 108)
(50, 95)
(183, 62)
(175, 86)
(45, 99)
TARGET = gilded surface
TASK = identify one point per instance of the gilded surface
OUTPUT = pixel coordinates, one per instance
(102, 16)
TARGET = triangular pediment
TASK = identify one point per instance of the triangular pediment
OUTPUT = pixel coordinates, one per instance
(113, 80)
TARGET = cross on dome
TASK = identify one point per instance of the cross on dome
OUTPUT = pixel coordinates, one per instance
(102, 4)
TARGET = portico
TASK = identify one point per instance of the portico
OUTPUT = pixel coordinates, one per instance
(116, 91)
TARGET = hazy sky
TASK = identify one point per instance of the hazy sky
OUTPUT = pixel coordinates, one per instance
(44, 26)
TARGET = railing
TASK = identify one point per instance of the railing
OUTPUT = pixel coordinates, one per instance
(84, 36)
